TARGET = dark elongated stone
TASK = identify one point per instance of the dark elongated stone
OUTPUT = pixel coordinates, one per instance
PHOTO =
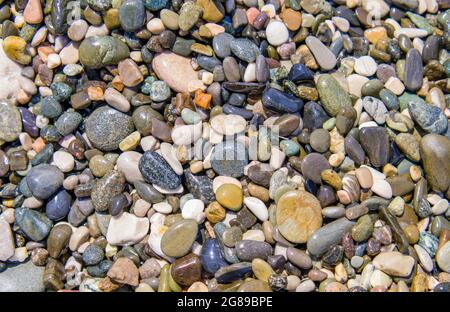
(354, 150)
(233, 110)
(413, 70)
(398, 234)
(233, 272)
(254, 88)
(59, 14)
(29, 122)
(156, 170)
(275, 100)
(375, 141)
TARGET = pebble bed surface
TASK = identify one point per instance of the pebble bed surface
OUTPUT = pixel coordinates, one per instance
(225, 145)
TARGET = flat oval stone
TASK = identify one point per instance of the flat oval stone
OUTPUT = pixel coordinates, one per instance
(247, 250)
(325, 237)
(278, 101)
(211, 256)
(323, 55)
(10, 121)
(298, 215)
(44, 180)
(175, 70)
(155, 169)
(107, 127)
(178, 239)
(35, 225)
(413, 74)
(100, 51)
(332, 95)
(229, 159)
(435, 153)
(244, 49)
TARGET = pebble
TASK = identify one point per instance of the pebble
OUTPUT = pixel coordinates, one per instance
(323, 55)
(178, 239)
(292, 209)
(155, 145)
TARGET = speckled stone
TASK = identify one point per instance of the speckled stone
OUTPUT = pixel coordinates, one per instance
(106, 188)
(155, 169)
(332, 95)
(107, 127)
(10, 121)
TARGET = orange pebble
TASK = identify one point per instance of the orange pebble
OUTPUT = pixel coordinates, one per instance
(117, 83)
(38, 144)
(95, 93)
(252, 13)
(44, 52)
(202, 99)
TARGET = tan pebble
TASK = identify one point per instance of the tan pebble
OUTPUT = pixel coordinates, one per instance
(364, 177)
(198, 287)
(415, 172)
(130, 142)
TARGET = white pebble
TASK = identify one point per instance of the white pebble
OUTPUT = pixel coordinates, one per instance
(257, 207)
(163, 207)
(277, 33)
(193, 209)
(365, 66)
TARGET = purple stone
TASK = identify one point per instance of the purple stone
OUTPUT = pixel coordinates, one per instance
(29, 122)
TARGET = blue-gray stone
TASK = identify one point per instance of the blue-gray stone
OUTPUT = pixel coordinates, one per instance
(50, 107)
(429, 117)
(22, 277)
(155, 5)
(68, 122)
(132, 15)
(244, 49)
(233, 272)
(44, 180)
(221, 44)
(299, 72)
(58, 206)
(200, 186)
(211, 256)
(275, 100)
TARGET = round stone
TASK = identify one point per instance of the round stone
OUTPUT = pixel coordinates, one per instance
(107, 127)
(277, 33)
(298, 215)
(230, 196)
